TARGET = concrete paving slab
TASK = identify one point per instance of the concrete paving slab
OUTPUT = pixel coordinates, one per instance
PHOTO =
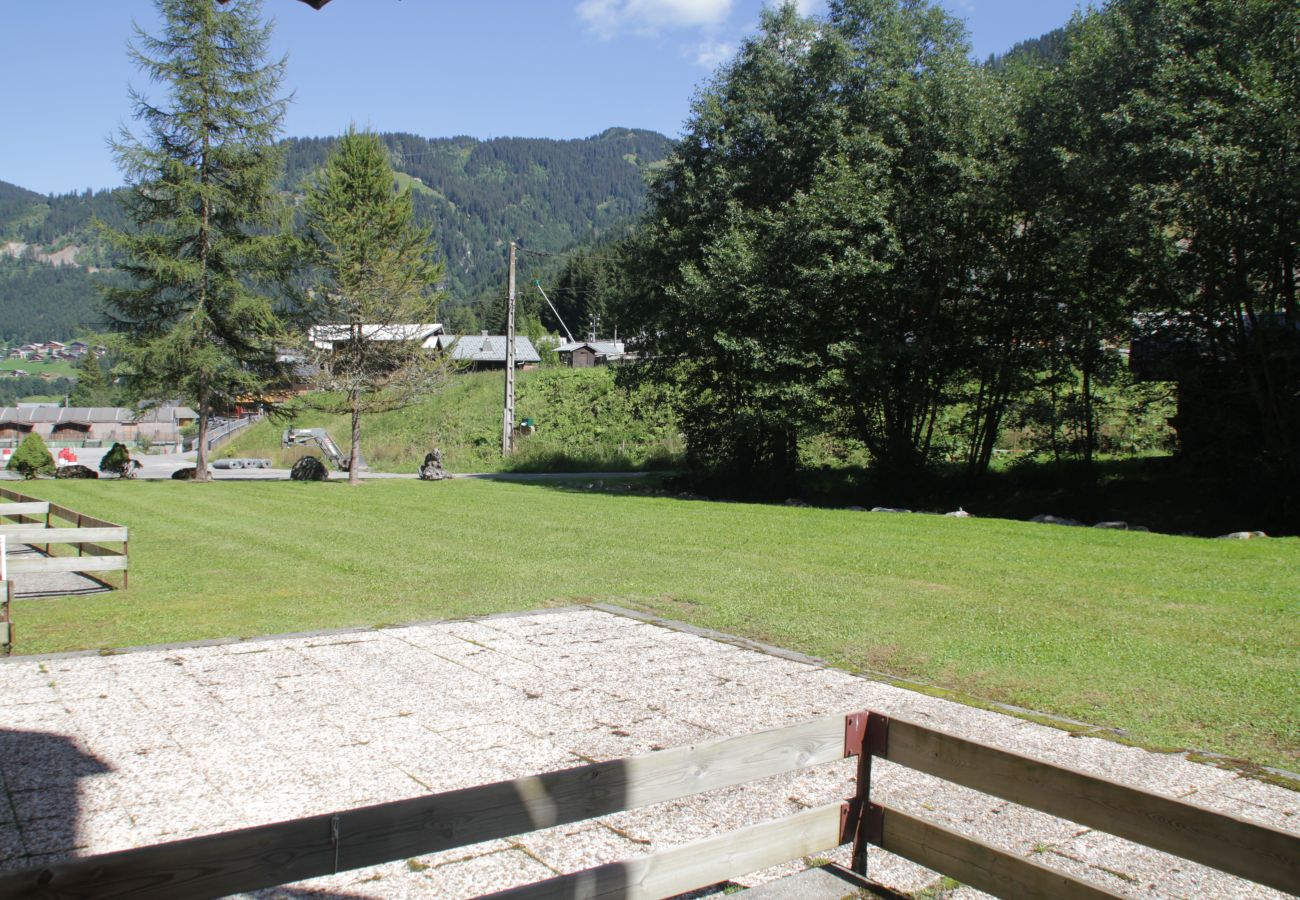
(99, 753)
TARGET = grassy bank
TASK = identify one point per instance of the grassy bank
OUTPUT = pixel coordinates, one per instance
(1180, 641)
(583, 423)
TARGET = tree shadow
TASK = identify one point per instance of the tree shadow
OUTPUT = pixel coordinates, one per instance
(40, 772)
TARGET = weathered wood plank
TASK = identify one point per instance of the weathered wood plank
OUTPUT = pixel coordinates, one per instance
(1254, 852)
(71, 515)
(37, 534)
(694, 865)
(264, 856)
(26, 508)
(38, 565)
(979, 865)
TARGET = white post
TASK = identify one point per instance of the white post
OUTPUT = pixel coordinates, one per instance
(4, 560)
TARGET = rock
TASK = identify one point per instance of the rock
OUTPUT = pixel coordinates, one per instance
(432, 469)
(1118, 526)
(76, 472)
(309, 468)
(1242, 535)
(959, 513)
(186, 474)
(1046, 519)
(889, 509)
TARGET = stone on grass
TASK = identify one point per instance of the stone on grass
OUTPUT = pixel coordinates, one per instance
(959, 513)
(432, 469)
(1117, 525)
(889, 509)
(1047, 519)
(76, 472)
(1242, 535)
(309, 468)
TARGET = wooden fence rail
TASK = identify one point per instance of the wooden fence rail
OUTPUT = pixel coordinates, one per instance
(26, 520)
(268, 855)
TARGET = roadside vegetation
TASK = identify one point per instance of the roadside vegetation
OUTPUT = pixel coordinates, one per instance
(583, 422)
(1180, 642)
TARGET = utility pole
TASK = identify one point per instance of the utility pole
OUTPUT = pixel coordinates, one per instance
(508, 414)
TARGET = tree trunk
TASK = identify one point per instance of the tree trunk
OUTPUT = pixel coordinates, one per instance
(354, 461)
(201, 472)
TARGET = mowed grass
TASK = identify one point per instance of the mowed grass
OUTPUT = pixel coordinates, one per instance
(1181, 642)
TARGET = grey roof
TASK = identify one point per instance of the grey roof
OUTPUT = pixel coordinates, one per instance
(603, 348)
(492, 348)
(93, 415)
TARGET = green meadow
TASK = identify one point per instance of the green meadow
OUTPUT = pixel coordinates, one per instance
(1180, 642)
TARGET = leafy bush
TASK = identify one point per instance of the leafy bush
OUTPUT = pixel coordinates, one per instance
(117, 461)
(32, 458)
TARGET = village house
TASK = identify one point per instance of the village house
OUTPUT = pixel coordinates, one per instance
(585, 354)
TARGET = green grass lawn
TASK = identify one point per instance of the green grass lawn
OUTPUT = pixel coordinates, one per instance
(59, 368)
(1182, 642)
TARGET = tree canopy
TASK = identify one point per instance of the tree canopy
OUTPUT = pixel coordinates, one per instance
(202, 204)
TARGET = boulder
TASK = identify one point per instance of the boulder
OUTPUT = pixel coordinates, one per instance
(889, 509)
(432, 469)
(309, 468)
(1117, 526)
(1046, 519)
(1242, 535)
(959, 513)
(76, 472)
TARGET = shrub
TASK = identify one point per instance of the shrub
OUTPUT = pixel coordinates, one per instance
(117, 461)
(76, 472)
(32, 458)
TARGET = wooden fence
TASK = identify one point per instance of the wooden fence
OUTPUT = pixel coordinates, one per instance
(268, 855)
(47, 527)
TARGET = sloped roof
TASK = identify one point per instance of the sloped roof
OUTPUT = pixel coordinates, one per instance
(93, 415)
(603, 348)
(324, 337)
(492, 348)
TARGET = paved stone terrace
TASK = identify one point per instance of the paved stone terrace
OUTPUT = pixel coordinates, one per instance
(101, 753)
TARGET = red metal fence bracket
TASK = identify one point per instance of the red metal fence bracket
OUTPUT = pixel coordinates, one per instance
(866, 735)
(855, 730)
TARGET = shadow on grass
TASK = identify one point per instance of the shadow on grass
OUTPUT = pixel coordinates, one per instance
(1162, 494)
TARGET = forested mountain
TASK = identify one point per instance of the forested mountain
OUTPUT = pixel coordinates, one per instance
(548, 195)
(1049, 49)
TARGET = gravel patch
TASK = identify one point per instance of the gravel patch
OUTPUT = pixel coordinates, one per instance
(100, 753)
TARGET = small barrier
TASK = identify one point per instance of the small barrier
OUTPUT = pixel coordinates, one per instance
(268, 855)
(37, 523)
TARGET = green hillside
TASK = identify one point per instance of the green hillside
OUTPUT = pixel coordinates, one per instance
(584, 423)
(477, 196)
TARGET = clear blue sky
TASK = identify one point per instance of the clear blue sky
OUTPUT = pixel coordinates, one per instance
(534, 68)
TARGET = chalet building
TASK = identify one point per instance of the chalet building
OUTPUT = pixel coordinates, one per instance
(99, 425)
(585, 354)
(488, 351)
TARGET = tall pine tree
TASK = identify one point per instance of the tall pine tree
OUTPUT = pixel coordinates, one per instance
(373, 287)
(202, 202)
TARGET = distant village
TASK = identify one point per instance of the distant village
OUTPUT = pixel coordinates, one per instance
(48, 352)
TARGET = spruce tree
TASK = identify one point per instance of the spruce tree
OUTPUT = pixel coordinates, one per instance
(373, 280)
(202, 203)
(92, 386)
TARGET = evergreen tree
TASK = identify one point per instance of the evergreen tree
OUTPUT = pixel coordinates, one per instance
(32, 458)
(202, 202)
(92, 386)
(373, 280)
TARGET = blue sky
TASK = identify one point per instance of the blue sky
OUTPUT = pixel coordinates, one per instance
(534, 68)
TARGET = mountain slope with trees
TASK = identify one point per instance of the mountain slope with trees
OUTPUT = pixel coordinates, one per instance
(475, 195)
